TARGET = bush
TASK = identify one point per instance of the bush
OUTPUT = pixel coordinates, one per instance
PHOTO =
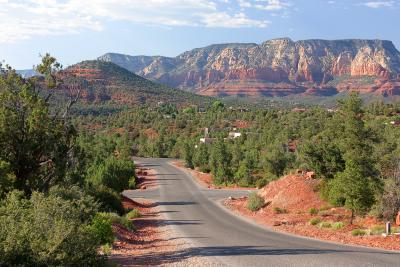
(113, 173)
(106, 249)
(313, 211)
(314, 221)
(337, 225)
(278, 210)
(255, 202)
(395, 229)
(377, 230)
(45, 231)
(358, 232)
(102, 230)
(109, 200)
(325, 225)
(135, 213)
(115, 218)
(260, 183)
(132, 183)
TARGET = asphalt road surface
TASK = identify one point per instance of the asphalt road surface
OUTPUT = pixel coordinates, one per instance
(195, 213)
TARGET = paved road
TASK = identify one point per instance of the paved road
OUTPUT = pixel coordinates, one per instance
(194, 212)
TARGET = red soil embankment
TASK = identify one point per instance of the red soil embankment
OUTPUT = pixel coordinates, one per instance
(295, 195)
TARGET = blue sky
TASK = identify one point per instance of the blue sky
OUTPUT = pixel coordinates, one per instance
(74, 30)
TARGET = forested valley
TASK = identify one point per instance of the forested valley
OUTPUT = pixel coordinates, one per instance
(62, 172)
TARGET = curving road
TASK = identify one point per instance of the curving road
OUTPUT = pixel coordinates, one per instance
(194, 213)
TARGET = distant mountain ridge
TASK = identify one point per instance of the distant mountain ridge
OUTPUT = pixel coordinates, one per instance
(277, 67)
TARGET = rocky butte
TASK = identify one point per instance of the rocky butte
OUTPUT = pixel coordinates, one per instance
(276, 67)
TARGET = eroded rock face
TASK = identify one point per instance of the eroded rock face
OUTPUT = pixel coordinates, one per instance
(251, 69)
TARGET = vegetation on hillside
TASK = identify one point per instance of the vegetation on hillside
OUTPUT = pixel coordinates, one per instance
(353, 148)
(53, 179)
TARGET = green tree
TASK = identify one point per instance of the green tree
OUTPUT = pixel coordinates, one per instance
(35, 143)
(220, 162)
(188, 154)
(355, 186)
(201, 157)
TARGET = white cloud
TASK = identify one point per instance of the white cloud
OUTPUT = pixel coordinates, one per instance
(23, 19)
(270, 5)
(222, 19)
(379, 4)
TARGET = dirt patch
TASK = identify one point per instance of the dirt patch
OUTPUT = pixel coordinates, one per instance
(206, 179)
(288, 204)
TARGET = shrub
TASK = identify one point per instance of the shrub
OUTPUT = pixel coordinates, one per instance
(45, 231)
(313, 211)
(132, 183)
(377, 230)
(115, 218)
(109, 200)
(325, 225)
(101, 229)
(113, 173)
(260, 183)
(135, 213)
(255, 202)
(314, 221)
(337, 225)
(106, 249)
(358, 232)
(278, 210)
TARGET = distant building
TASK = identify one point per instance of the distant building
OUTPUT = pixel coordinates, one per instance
(207, 140)
(233, 135)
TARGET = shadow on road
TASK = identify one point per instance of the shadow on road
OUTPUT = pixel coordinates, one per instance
(162, 258)
(176, 203)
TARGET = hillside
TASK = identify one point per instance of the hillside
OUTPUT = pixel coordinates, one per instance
(278, 67)
(105, 83)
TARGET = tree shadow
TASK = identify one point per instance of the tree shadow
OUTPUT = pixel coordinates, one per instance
(163, 258)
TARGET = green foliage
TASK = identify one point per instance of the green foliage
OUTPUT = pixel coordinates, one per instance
(313, 211)
(135, 213)
(106, 249)
(325, 225)
(7, 178)
(337, 225)
(260, 183)
(115, 218)
(100, 227)
(388, 203)
(243, 175)
(201, 157)
(314, 221)
(132, 183)
(109, 200)
(377, 230)
(358, 232)
(33, 142)
(45, 231)
(277, 160)
(278, 210)
(220, 162)
(255, 202)
(114, 173)
(188, 155)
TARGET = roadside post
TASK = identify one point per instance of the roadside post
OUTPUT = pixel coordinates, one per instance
(388, 228)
